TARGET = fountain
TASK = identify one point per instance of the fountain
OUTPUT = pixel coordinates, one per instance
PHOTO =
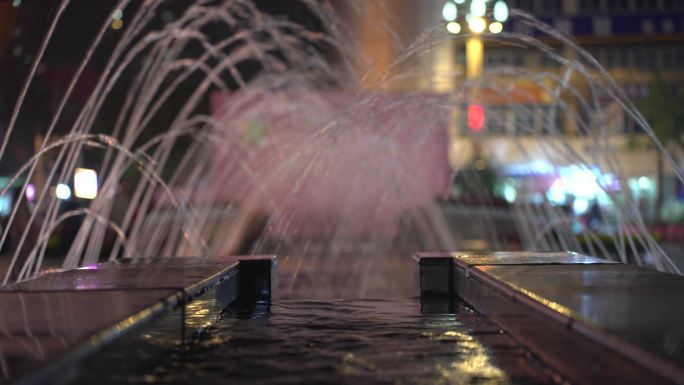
(349, 172)
(276, 141)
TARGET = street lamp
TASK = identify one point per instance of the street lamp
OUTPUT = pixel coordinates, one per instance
(480, 16)
(475, 14)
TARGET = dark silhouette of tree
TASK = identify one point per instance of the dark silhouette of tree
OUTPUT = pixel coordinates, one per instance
(663, 110)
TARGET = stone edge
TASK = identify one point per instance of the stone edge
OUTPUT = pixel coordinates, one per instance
(505, 295)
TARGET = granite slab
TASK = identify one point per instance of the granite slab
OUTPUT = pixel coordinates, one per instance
(52, 322)
(597, 321)
(43, 329)
(636, 305)
(516, 258)
(168, 273)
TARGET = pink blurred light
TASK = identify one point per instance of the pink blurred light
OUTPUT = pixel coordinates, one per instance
(31, 193)
(476, 117)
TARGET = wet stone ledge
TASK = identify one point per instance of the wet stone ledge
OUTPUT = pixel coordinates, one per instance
(594, 321)
(52, 323)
